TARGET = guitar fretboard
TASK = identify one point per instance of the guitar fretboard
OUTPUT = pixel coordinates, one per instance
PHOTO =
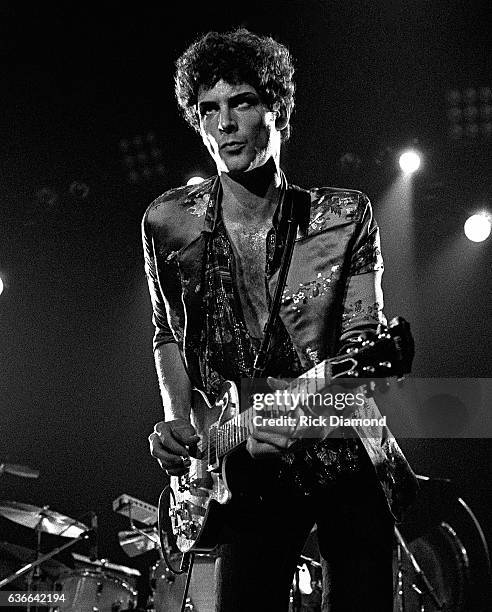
(235, 431)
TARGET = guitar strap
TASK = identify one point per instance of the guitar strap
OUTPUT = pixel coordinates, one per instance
(297, 202)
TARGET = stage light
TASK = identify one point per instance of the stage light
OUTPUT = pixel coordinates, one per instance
(79, 190)
(141, 158)
(469, 115)
(1, 286)
(195, 180)
(350, 162)
(409, 161)
(477, 227)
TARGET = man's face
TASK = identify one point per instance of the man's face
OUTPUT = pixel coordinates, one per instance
(237, 128)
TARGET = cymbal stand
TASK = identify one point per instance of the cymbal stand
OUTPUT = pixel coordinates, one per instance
(420, 585)
(399, 577)
(34, 575)
(24, 471)
(187, 562)
(26, 568)
(142, 532)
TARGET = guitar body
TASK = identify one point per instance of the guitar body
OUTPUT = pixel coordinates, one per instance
(196, 497)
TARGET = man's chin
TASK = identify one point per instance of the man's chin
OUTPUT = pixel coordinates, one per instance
(236, 169)
(236, 163)
(239, 166)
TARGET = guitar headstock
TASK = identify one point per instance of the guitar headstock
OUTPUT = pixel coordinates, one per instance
(389, 352)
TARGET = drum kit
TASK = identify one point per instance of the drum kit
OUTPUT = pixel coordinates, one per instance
(93, 584)
(441, 561)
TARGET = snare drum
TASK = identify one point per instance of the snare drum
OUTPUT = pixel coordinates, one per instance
(95, 591)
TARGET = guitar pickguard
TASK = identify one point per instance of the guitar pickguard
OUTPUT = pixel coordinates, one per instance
(196, 496)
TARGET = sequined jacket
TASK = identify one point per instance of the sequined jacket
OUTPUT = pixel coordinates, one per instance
(332, 294)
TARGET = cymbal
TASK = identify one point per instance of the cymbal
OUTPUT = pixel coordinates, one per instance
(42, 518)
(105, 564)
(14, 552)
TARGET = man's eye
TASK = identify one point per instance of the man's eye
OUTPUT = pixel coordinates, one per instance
(207, 112)
(244, 104)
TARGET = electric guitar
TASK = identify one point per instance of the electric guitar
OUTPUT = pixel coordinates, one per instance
(195, 497)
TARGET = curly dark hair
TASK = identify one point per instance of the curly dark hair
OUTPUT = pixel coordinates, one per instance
(237, 56)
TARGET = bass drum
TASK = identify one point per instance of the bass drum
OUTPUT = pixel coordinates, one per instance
(444, 560)
(168, 589)
(449, 545)
(93, 591)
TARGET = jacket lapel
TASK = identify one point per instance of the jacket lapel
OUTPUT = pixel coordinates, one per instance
(191, 265)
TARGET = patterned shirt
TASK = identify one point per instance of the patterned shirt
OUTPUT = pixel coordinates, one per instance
(228, 351)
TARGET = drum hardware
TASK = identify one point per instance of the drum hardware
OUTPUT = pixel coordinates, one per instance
(51, 568)
(42, 559)
(420, 584)
(94, 537)
(104, 564)
(40, 579)
(448, 542)
(481, 534)
(433, 479)
(187, 558)
(187, 562)
(23, 471)
(42, 520)
(310, 561)
(135, 509)
(139, 541)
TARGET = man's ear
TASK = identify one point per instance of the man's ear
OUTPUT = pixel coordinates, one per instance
(283, 117)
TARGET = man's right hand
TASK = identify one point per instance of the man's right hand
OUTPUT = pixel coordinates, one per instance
(171, 443)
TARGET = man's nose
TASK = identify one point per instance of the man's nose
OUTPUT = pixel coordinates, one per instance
(227, 122)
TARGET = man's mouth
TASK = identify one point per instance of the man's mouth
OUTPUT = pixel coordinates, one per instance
(232, 146)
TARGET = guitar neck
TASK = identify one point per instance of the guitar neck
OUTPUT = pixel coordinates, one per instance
(389, 353)
(234, 432)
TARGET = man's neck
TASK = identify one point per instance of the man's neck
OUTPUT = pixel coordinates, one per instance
(250, 197)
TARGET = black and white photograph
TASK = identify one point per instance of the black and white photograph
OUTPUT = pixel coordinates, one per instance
(246, 306)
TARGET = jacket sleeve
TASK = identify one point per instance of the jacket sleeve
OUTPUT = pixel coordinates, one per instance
(363, 303)
(163, 333)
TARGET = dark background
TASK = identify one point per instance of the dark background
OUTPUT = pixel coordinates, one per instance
(78, 392)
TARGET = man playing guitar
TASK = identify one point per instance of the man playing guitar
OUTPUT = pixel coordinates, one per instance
(213, 252)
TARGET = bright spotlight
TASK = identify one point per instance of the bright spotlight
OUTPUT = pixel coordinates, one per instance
(409, 162)
(477, 227)
(195, 180)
